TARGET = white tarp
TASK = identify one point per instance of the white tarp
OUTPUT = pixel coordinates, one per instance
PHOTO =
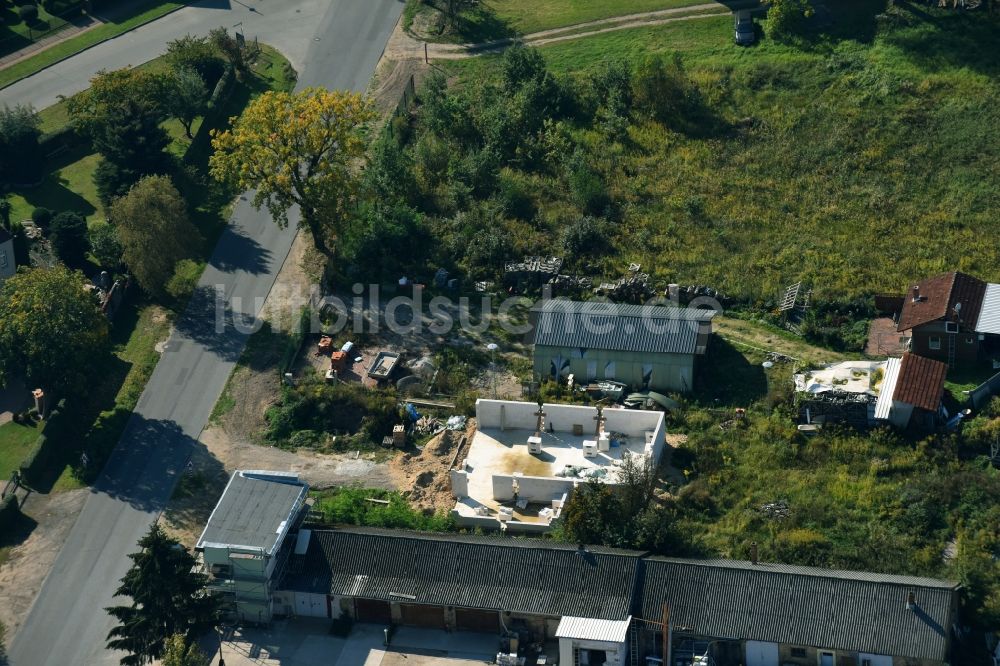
(849, 376)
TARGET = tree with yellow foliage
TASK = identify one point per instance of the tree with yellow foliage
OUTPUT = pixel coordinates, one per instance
(297, 149)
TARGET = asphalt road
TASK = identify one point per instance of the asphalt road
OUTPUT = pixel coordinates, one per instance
(288, 25)
(66, 625)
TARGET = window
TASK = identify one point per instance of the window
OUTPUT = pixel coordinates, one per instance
(798, 652)
(951, 327)
(934, 342)
(970, 339)
(866, 662)
(609, 370)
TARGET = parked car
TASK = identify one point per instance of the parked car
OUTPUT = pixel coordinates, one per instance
(745, 34)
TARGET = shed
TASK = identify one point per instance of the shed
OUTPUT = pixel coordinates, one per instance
(648, 347)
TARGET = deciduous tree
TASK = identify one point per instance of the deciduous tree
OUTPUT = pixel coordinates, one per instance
(167, 598)
(230, 49)
(786, 18)
(187, 98)
(198, 54)
(105, 246)
(297, 149)
(181, 652)
(154, 231)
(50, 328)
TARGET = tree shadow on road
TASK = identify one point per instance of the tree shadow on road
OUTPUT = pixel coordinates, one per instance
(146, 464)
(210, 320)
(238, 252)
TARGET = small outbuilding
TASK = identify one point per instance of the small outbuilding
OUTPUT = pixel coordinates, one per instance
(911, 391)
(648, 347)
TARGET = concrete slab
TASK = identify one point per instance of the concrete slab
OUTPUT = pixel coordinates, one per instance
(306, 642)
(459, 643)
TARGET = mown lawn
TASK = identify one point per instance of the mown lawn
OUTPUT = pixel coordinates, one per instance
(855, 162)
(15, 443)
(140, 14)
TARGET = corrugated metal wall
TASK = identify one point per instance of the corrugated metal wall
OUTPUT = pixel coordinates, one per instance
(668, 372)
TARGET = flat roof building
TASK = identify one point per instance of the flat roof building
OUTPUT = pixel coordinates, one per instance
(243, 546)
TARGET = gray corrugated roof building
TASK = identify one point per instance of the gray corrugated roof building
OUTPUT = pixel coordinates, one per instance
(713, 598)
(620, 327)
(840, 610)
(255, 511)
(519, 575)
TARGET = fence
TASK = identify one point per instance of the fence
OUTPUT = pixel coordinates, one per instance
(980, 395)
(53, 17)
(295, 340)
(403, 107)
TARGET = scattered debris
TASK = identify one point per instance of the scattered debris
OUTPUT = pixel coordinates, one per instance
(775, 510)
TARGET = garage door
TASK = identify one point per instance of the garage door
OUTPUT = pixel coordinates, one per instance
(422, 616)
(368, 610)
(762, 654)
(467, 619)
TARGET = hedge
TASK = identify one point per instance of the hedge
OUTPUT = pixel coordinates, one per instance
(64, 137)
(47, 447)
(221, 91)
(9, 512)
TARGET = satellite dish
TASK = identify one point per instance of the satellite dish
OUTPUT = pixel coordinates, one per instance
(768, 364)
(493, 346)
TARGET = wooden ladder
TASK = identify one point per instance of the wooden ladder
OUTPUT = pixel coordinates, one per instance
(951, 349)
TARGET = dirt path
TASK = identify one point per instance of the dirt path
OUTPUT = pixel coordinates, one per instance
(402, 46)
(49, 519)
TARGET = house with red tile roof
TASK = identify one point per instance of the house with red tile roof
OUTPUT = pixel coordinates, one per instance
(952, 317)
(911, 392)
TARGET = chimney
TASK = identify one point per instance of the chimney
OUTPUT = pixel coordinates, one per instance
(753, 552)
(916, 293)
(911, 600)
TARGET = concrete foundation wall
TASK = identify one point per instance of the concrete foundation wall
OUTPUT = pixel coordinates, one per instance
(488, 523)
(459, 483)
(509, 415)
(532, 488)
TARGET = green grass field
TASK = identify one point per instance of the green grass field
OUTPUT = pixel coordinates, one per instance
(856, 162)
(15, 443)
(142, 13)
(527, 16)
(496, 19)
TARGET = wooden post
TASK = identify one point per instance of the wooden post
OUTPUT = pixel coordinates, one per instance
(426, 61)
(600, 420)
(539, 420)
(667, 637)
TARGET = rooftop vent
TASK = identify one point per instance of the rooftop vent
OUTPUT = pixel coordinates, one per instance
(916, 294)
(753, 552)
(911, 600)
